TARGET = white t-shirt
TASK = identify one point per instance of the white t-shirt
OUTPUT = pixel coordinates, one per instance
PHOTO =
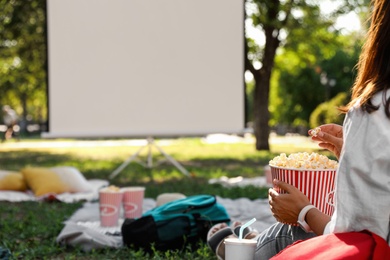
(10, 117)
(363, 177)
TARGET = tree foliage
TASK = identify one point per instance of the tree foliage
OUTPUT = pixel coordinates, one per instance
(23, 52)
(302, 80)
(327, 112)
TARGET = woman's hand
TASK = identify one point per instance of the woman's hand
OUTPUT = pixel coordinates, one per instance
(330, 137)
(286, 207)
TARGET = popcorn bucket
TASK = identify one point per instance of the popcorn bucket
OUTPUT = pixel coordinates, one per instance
(317, 185)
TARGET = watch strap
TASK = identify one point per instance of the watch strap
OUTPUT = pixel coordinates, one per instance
(301, 218)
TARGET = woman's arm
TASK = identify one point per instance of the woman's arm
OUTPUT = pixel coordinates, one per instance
(317, 220)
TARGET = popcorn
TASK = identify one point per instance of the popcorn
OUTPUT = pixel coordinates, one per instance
(111, 188)
(312, 161)
(315, 131)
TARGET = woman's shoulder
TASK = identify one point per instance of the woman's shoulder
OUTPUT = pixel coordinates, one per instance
(380, 97)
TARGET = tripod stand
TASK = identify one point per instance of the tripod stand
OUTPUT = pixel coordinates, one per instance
(149, 164)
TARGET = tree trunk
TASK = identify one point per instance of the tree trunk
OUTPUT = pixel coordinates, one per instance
(262, 79)
(22, 120)
(261, 112)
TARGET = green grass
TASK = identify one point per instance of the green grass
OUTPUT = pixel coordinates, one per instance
(29, 229)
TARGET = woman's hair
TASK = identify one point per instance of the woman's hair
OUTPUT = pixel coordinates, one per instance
(374, 62)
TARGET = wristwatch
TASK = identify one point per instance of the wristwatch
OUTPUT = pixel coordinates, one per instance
(301, 218)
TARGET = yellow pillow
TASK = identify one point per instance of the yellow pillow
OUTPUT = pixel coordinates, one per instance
(43, 181)
(12, 181)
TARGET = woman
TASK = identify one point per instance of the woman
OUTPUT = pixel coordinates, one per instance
(362, 146)
(10, 120)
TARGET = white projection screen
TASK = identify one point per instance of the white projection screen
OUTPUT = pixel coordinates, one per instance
(140, 68)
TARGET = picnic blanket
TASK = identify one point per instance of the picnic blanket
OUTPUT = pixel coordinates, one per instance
(93, 194)
(83, 228)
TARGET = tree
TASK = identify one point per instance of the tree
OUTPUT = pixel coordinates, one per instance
(23, 52)
(278, 19)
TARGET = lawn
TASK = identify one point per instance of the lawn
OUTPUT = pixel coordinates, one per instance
(29, 229)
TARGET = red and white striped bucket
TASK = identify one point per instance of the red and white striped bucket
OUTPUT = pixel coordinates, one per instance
(317, 185)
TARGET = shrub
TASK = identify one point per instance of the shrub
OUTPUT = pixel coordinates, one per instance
(327, 112)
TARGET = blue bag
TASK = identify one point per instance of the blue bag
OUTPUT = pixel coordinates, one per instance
(174, 224)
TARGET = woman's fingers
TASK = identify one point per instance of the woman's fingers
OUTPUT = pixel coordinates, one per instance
(332, 148)
(325, 137)
(330, 137)
(331, 129)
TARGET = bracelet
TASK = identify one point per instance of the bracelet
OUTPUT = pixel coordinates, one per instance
(301, 218)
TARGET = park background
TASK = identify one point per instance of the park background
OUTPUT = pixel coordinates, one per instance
(300, 64)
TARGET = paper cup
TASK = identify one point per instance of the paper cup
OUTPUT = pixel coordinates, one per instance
(133, 198)
(110, 204)
(317, 185)
(268, 174)
(243, 249)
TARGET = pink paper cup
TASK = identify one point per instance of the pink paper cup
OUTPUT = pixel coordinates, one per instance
(133, 198)
(317, 185)
(109, 205)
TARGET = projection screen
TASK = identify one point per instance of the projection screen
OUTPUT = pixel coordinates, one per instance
(139, 68)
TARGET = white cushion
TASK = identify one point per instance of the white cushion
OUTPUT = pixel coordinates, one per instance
(72, 178)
